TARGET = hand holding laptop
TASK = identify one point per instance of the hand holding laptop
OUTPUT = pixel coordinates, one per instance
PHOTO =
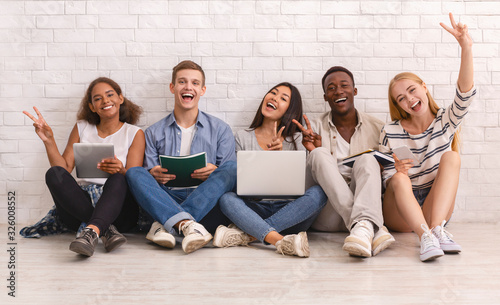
(310, 139)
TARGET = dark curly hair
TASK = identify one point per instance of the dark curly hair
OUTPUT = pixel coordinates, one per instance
(129, 112)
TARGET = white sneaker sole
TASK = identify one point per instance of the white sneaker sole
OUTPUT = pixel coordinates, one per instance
(164, 242)
(382, 243)
(357, 247)
(193, 244)
(449, 249)
(431, 255)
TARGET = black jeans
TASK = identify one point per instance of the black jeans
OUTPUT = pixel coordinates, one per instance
(115, 206)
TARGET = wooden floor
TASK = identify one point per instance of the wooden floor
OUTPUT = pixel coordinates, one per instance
(142, 273)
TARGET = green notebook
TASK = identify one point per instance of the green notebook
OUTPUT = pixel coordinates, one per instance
(182, 167)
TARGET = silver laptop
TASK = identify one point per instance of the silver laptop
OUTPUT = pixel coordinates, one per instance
(87, 155)
(271, 174)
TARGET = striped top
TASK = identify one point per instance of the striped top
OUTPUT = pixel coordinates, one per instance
(428, 146)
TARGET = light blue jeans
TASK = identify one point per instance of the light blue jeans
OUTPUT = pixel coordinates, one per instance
(169, 206)
(259, 218)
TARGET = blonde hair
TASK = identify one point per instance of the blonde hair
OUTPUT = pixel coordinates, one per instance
(397, 113)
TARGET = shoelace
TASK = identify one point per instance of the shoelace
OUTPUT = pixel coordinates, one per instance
(285, 247)
(234, 239)
(443, 235)
(427, 238)
(88, 234)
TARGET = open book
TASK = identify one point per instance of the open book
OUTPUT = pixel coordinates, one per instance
(182, 167)
(382, 158)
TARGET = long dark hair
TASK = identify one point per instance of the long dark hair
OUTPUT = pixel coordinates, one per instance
(294, 111)
(129, 112)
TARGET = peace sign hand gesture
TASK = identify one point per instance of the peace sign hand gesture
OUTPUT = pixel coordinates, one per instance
(277, 140)
(310, 139)
(42, 129)
(460, 31)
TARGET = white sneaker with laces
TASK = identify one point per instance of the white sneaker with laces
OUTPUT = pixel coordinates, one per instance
(381, 240)
(447, 244)
(160, 236)
(294, 244)
(195, 236)
(429, 245)
(230, 236)
(359, 242)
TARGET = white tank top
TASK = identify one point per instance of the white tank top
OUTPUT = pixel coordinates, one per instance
(122, 139)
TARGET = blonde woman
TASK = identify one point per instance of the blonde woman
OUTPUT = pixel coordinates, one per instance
(421, 197)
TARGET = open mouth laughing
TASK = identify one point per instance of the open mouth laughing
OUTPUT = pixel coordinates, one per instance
(187, 96)
(271, 105)
(340, 100)
(416, 106)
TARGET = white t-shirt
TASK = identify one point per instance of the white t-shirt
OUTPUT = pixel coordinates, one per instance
(122, 139)
(342, 153)
(186, 139)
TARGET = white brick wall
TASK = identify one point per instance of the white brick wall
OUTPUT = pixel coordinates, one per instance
(51, 50)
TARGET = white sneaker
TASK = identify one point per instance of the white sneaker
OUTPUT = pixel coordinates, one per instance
(195, 236)
(381, 240)
(429, 245)
(359, 242)
(447, 244)
(294, 244)
(230, 236)
(160, 236)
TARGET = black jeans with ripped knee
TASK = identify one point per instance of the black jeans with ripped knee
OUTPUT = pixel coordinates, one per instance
(115, 206)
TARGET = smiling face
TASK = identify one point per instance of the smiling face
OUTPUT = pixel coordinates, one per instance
(340, 92)
(411, 97)
(187, 89)
(276, 103)
(105, 101)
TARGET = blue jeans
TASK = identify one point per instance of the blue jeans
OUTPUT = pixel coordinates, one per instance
(169, 206)
(259, 218)
(421, 195)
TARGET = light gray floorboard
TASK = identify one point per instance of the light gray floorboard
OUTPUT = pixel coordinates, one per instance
(48, 273)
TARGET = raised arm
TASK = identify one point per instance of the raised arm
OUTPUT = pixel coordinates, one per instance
(43, 130)
(461, 33)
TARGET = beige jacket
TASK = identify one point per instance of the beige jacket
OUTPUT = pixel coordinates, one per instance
(366, 134)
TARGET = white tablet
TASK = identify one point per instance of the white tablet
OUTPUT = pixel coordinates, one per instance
(87, 155)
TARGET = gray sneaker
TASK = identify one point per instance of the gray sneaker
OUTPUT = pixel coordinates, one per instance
(85, 243)
(230, 236)
(112, 239)
(294, 244)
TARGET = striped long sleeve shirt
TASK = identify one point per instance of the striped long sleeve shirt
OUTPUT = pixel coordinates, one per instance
(428, 146)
